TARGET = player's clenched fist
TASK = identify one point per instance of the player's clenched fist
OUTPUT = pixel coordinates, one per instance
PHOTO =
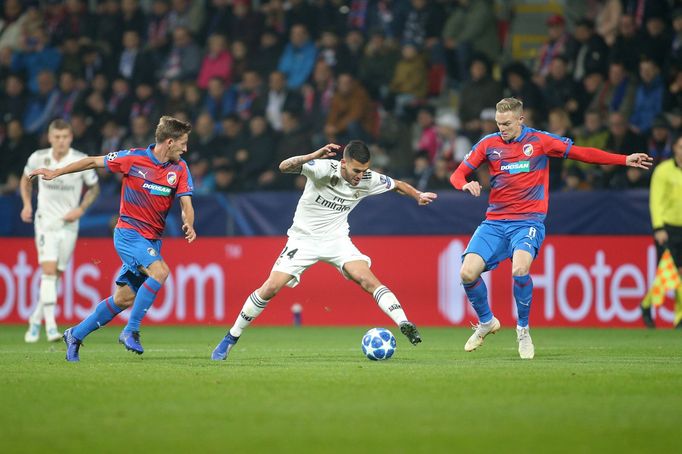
(473, 187)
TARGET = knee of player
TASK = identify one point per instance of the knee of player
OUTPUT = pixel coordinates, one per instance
(520, 270)
(467, 274)
(161, 272)
(124, 301)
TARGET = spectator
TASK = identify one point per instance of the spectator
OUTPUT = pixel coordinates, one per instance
(440, 176)
(330, 50)
(193, 101)
(145, 103)
(261, 149)
(158, 29)
(13, 99)
(240, 60)
(216, 63)
(36, 56)
(352, 114)
(267, 55)
(140, 134)
(660, 143)
(109, 29)
(234, 151)
(618, 93)
(218, 102)
(621, 140)
(656, 41)
(68, 94)
(120, 101)
(421, 170)
(587, 50)
(14, 152)
(41, 106)
(11, 26)
(481, 91)
(293, 139)
(71, 56)
(648, 96)
(421, 24)
(298, 59)
(557, 42)
(428, 133)
(183, 60)
(301, 12)
(377, 65)
(628, 45)
(175, 98)
(409, 85)
(607, 20)
(471, 29)
(676, 46)
(452, 147)
(132, 17)
(225, 179)
(559, 124)
(84, 138)
(354, 45)
(246, 24)
(559, 88)
(674, 97)
(317, 99)
(111, 134)
(133, 63)
(246, 93)
(204, 143)
(278, 99)
(186, 14)
(518, 84)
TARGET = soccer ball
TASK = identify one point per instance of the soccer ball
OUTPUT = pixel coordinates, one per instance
(378, 344)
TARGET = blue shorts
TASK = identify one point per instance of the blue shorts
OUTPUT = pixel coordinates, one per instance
(135, 251)
(496, 241)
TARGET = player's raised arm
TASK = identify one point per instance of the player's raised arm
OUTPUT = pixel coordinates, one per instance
(597, 156)
(91, 162)
(422, 198)
(294, 164)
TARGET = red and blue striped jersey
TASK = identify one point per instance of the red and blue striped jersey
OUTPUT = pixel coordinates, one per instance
(519, 172)
(148, 189)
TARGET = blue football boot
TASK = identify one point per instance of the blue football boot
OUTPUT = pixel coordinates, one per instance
(72, 346)
(131, 341)
(224, 347)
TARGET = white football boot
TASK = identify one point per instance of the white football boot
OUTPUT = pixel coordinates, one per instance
(526, 347)
(480, 331)
(53, 334)
(32, 334)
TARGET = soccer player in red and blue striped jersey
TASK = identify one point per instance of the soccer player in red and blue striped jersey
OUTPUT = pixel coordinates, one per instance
(518, 161)
(152, 179)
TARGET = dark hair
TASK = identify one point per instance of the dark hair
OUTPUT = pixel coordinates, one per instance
(357, 151)
(171, 128)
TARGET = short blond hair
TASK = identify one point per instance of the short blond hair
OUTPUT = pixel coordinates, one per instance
(59, 124)
(510, 105)
(171, 128)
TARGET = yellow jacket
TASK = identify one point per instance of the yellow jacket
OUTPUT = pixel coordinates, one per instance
(665, 195)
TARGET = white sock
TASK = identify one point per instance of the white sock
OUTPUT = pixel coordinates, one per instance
(48, 299)
(251, 309)
(389, 304)
(36, 317)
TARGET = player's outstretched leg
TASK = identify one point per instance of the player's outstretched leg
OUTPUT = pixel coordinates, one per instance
(477, 292)
(252, 308)
(130, 336)
(389, 304)
(105, 311)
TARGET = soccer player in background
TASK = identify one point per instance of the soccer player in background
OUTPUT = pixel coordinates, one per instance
(152, 178)
(320, 232)
(514, 227)
(56, 221)
(665, 205)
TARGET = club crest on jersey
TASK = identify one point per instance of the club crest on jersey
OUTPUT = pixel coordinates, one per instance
(113, 155)
(528, 149)
(151, 251)
(334, 180)
(172, 177)
(356, 194)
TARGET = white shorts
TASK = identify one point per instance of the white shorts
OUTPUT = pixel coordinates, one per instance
(56, 246)
(300, 254)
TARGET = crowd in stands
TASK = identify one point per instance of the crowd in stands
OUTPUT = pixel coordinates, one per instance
(264, 80)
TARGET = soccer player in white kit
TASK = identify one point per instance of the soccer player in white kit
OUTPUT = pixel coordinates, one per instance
(56, 220)
(320, 233)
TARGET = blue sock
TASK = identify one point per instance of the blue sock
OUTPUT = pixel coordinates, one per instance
(105, 312)
(477, 293)
(143, 301)
(523, 294)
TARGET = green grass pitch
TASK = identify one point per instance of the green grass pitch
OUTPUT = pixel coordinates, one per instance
(311, 390)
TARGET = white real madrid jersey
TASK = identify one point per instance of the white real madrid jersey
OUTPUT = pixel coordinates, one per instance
(327, 199)
(61, 195)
